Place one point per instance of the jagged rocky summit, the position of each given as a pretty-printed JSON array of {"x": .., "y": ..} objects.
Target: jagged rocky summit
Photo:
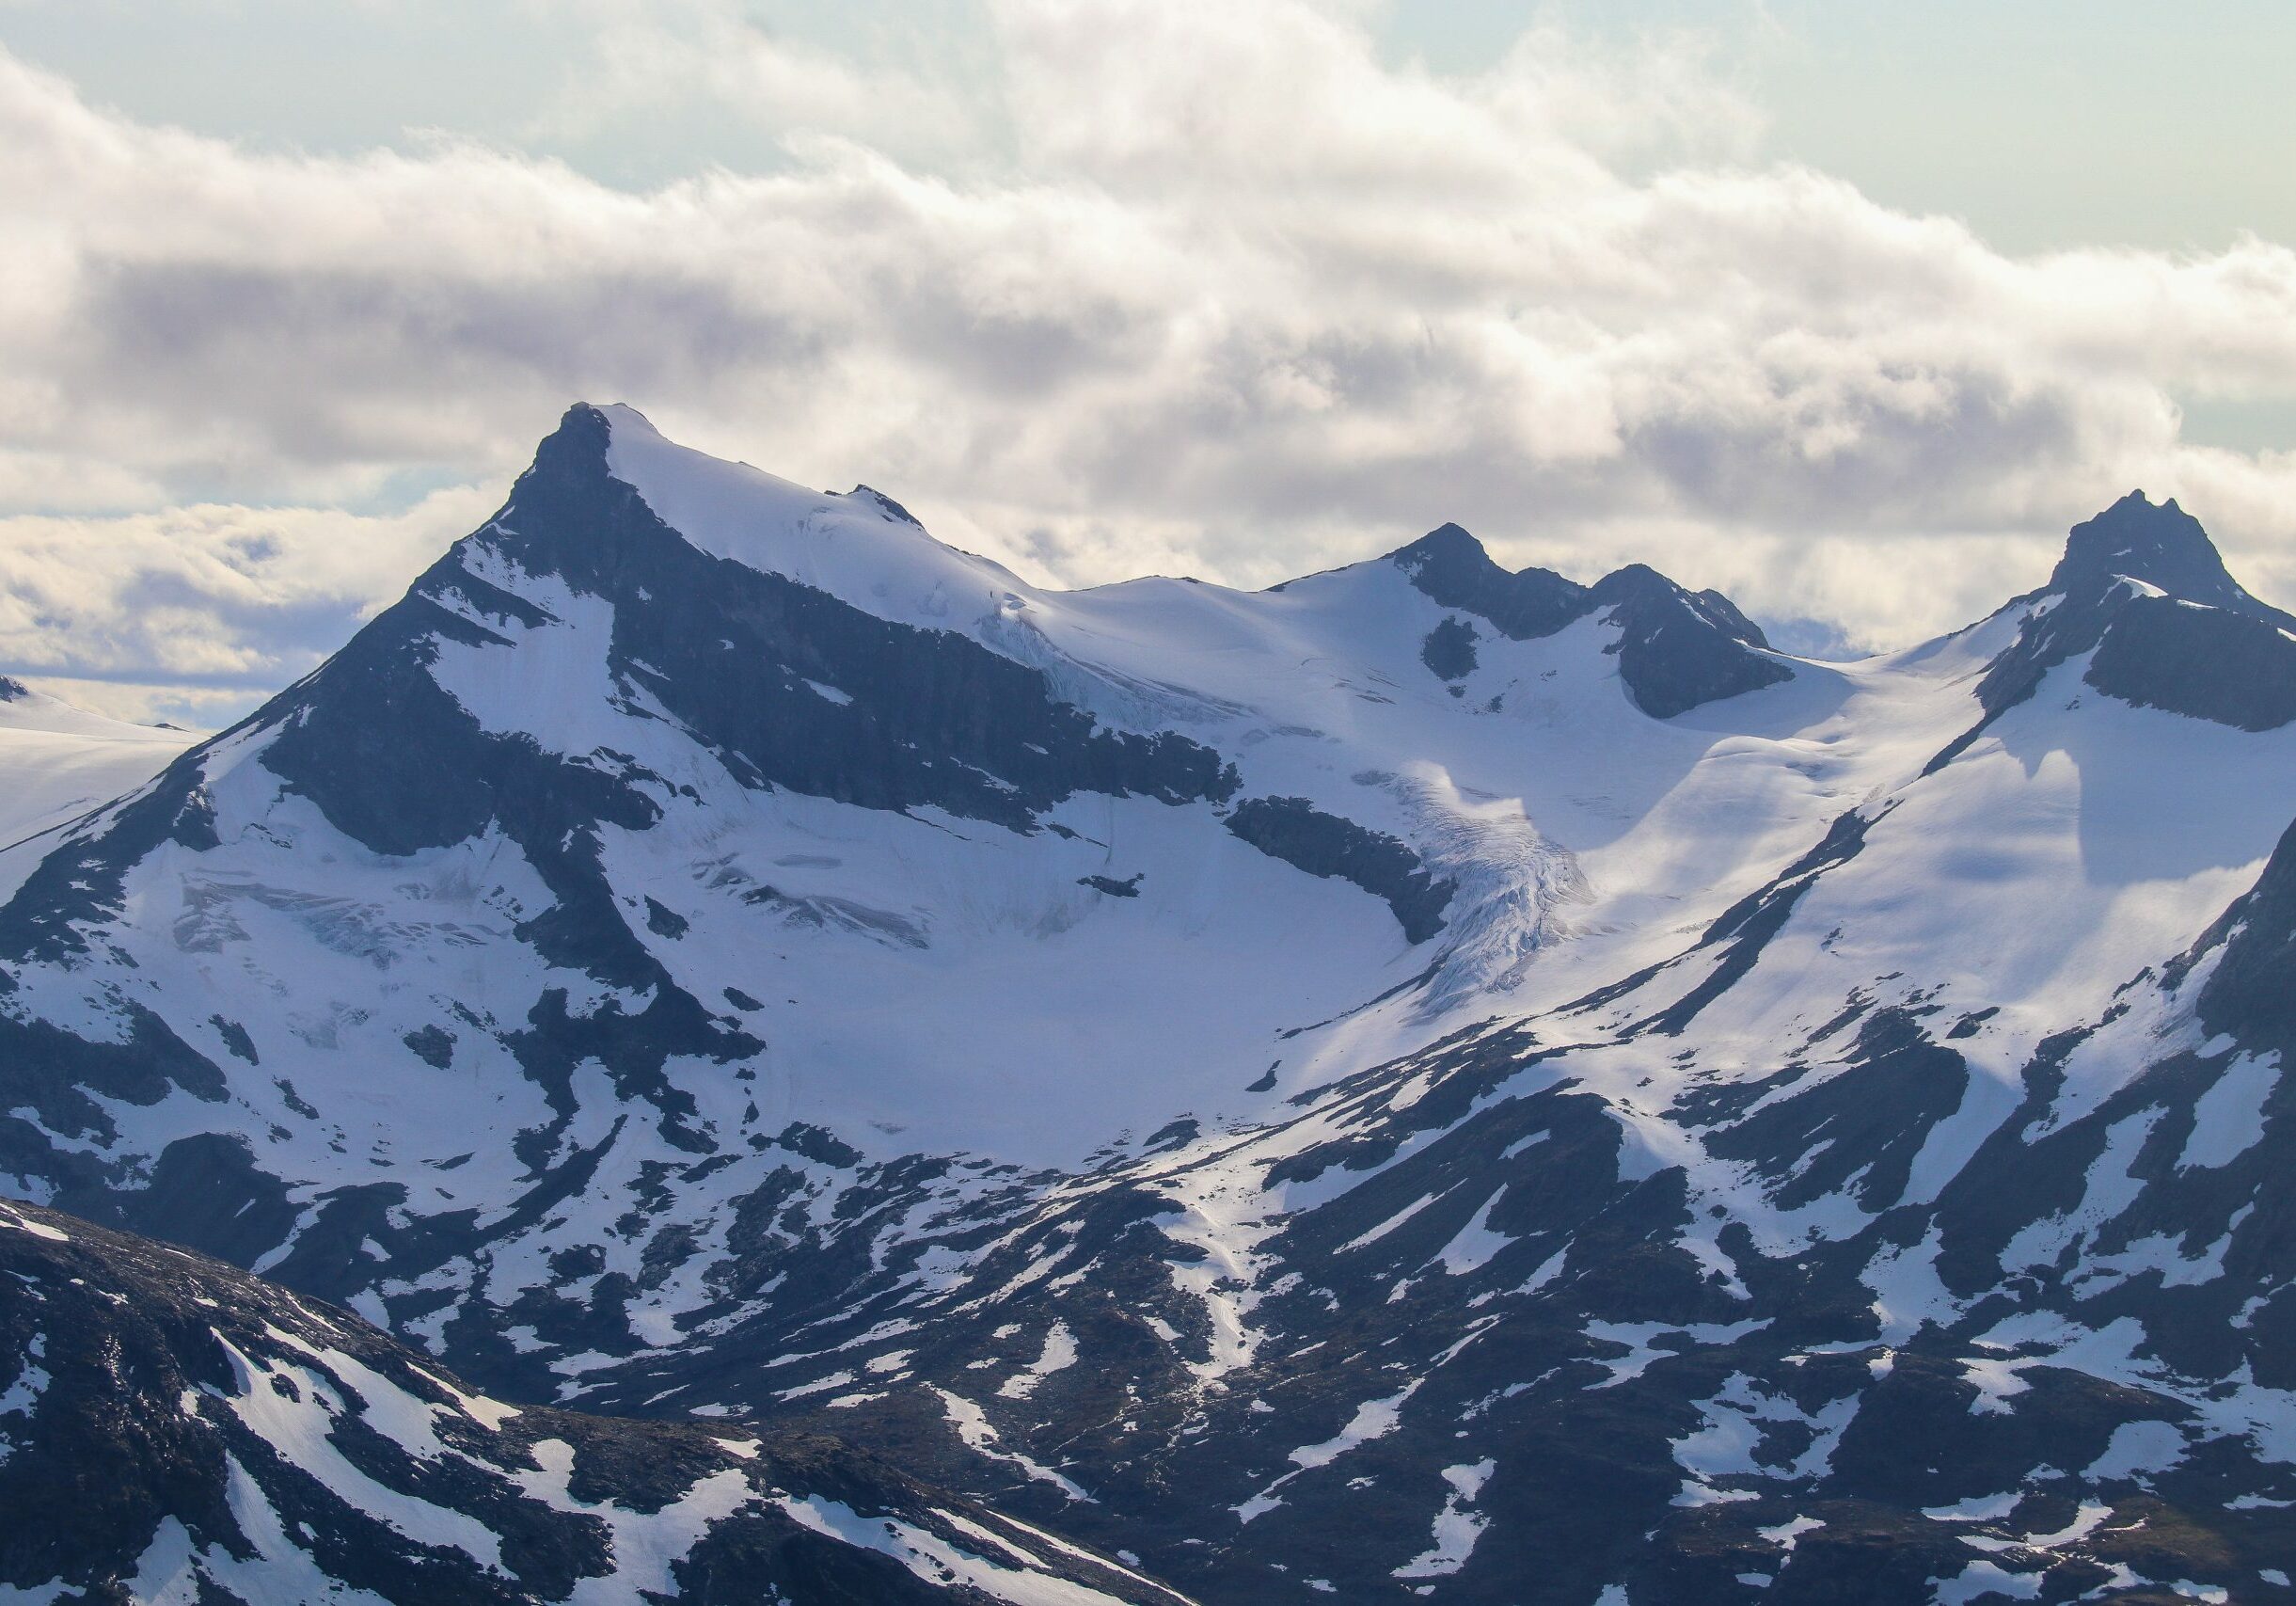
[{"x": 1421, "y": 1083}]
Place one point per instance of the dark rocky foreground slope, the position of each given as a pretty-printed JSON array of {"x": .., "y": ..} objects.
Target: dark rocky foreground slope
[{"x": 173, "y": 1429}]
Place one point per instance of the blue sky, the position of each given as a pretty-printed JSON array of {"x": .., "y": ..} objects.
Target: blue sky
[{"x": 1848, "y": 309}]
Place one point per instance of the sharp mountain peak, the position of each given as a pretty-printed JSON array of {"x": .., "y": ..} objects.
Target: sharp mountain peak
[{"x": 2161, "y": 545}]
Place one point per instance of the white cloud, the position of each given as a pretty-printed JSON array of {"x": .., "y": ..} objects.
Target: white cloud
[
  {"x": 194, "y": 612},
  {"x": 645, "y": 59},
  {"x": 1236, "y": 298}
]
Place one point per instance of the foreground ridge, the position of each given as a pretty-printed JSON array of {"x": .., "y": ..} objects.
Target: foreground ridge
[{"x": 176, "y": 1429}]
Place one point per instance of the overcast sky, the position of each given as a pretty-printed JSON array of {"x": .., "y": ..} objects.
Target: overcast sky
[{"x": 1846, "y": 310}]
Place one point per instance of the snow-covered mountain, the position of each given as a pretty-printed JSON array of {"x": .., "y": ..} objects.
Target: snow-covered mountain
[
  {"x": 58, "y": 761},
  {"x": 1421, "y": 1081}
]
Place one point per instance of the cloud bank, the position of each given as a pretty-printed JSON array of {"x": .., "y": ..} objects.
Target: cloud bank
[{"x": 1182, "y": 287}]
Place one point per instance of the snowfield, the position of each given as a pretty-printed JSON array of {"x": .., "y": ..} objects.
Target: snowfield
[{"x": 60, "y": 761}]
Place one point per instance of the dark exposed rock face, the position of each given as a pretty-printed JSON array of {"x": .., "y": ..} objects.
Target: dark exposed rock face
[
  {"x": 2251, "y": 994},
  {"x": 2212, "y": 663},
  {"x": 1292, "y": 830},
  {"x": 62, "y": 1079},
  {"x": 1453, "y": 568},
  {"x": 2162, "y": 546},
  {"x": 1450, "y": 649},
  {"x": 1677, "y": 649},
  {"x": 169, "y": 1418}
]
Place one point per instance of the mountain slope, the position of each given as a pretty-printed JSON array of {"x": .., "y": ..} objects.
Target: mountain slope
[
  {"x": 177, "y": 1430},
  {"x": 61, "y": 761},
  {"x": 1416, "y": 1080}
]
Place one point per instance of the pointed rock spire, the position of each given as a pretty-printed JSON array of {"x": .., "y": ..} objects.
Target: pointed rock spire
[{"x": 2161, "y": 545}]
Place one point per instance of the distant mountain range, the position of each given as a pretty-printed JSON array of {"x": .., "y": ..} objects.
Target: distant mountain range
[
  {"x": 1424, "y": 1082},
  {"x": 58, "y": 761}
]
